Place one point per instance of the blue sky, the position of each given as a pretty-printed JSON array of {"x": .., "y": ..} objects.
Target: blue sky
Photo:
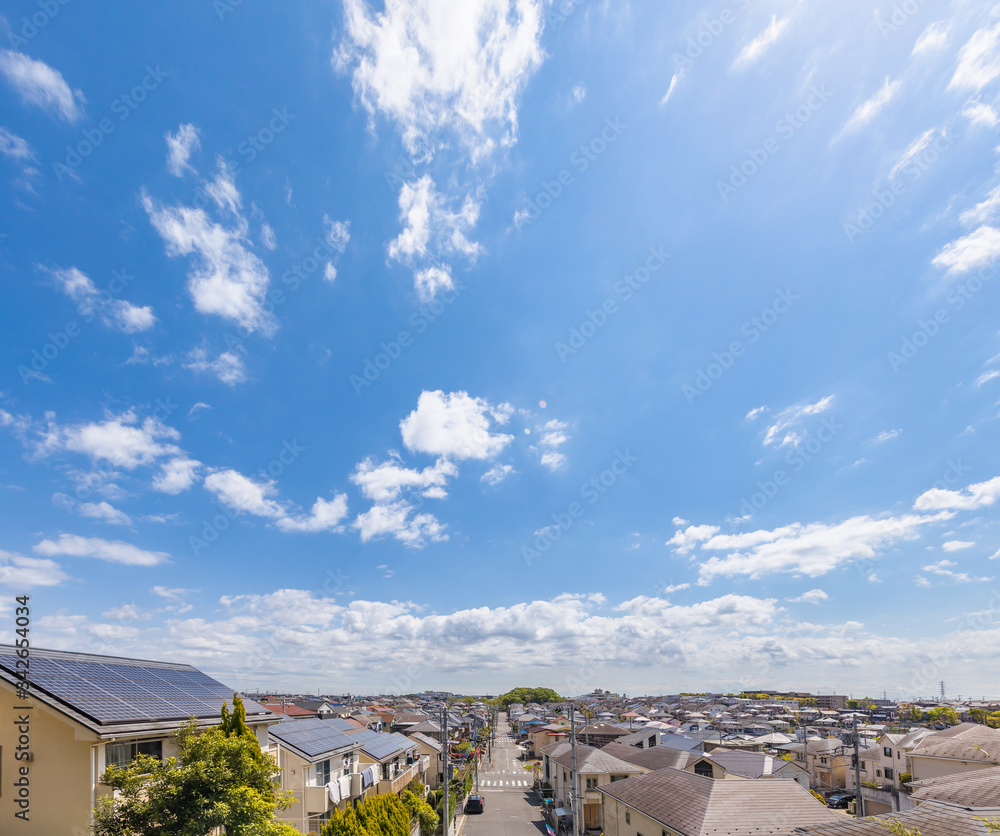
[{"x": 362, "y": 347}]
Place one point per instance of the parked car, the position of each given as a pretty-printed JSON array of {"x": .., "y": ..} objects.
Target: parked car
[
  {"x": 840, "y": 799},
  {"x": 474, "y": 804}
]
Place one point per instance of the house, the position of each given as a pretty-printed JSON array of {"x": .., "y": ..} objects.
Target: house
[
  {"x": 976, "y": 790},
  {"x": 82, "y": 712},
  {"x": 319, "y": 766},
  {"x": 660, "y": 757},
  {"x": 962, "y": 748},
  {"x": 593, "y": 768},
  {"x": 433, "y": 750},
  {"x": 395, "y": 760},
  {"x": 757, "y": 765},
  {"x": 426, "y": 727},
  {"x": 672, "y": 802},
  {"x": 826, "y": 763},
  {"x": 880, "y": 767},
  {"x": 600, "y": 734},
  {"x": 538, "y": 737},
  {"x": 929, "y": 819},
  {"x": 290, "y": 710}
]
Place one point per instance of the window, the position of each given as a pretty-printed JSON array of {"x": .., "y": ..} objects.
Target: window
[
  {"x": 878, "y": 773},
  {"x": 703, "y": 768},
  {"x": 591, "y": 783},
  {"x": 887, "y": 751},
  {"x": 823, "y": 760},
  {"x": 122, "y": 754},
  {"x": 888, "y": 774},
  {"x": 628, "y": 818},
  {"x": 864, "y": 766}
]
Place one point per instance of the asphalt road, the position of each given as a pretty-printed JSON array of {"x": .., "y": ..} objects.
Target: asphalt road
[{"x": 511, "y": 807}]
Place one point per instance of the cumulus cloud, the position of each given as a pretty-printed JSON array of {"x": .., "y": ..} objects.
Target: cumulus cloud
[
  {"x": 176, "y": 475},
  {"x": 384, "y": 481},
  {"x": 435, "y": 67},
  {"x": 226, "y": 278},
  {"x": 454, "y": 425},
  {"x": 228, "y": 367},
  {"x": 115, "y": 313},
  {"x": 39, "y": 84},
  {"x": 813, "y": 596},
  {"x": 398, "y": 520},
  {"x": 496, "y": 474},
  {"x": 553, "y": 436},
  {"x": 813, "y": 549},
  {"x": 979, "y": 495},
  {"x": 180, "y": 146},
  {"x": 112, "y": 551},
  {"x": 326, "y": 515},
  {"x": 101, "y": 511},
  {"x": 18, "y": 572}
]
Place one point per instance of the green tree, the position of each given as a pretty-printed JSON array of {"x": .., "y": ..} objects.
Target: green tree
[
  {"x": 943, "y": 714},
  {"x": 219, "y": 780},
  {"x": 382, "y": 815},
  {"x": 525, "y": 695},
  {"x": 422, "y": 811},
  {"x": 852, "y": 704}
]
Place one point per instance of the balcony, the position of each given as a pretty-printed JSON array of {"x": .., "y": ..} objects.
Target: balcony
[{"x": 402, "y": 778}]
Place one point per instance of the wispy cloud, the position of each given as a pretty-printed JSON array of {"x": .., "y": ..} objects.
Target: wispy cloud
[
  {"x": 758, "y": 47},
  {"x": 39, "y": 84}
]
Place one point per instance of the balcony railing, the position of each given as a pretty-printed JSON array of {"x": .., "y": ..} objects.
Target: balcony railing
[{"x": 396, "y": 784}]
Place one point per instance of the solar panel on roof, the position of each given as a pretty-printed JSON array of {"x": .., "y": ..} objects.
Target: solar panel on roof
[{"x": 110, "y": 692}]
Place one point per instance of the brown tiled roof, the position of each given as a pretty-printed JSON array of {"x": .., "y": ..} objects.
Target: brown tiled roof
[
  {"x": 658, "y": 757},
  {"x": 698, "y": 806},
  {"x": 290, "y": 710},
  {"x": 929, "y": 819},
  {"x": 979, "y": 788}
]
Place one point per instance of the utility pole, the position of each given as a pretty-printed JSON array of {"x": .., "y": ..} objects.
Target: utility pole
[
  {"x": 858, "y": 801},
  {"x": 574, "y": 798},
  {"x": 447, "y": 768}
]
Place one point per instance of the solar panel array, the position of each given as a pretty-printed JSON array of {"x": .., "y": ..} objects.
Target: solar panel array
[
  {"x": 118, "y": 692},
  {"x": 387, "y": 744},
  {"x": 313, "y": 736},
  {"x": 340, "y": 724}
]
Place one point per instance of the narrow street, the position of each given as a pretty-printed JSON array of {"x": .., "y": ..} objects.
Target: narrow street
[{"x": 511, "y": 806}]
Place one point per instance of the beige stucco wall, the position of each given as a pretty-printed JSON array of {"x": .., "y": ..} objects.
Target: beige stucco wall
[
  {"x": 639, "y": 824},
  {"x": 935, "y": 767}
]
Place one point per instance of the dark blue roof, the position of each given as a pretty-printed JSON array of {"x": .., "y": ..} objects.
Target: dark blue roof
[
  {"x": 110, "y": 690},
  {"x": 313, "y": 737}
]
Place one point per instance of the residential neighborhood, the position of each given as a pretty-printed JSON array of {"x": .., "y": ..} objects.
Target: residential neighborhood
[{"x": 686, "y": 764}]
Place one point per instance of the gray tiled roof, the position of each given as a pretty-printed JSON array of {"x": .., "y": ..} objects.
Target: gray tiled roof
[
  {"x": 659, "y": 757},
  {"x": 979, "y": 788},
  {"x": 698, "y": 806},
  {"x": 929, "y": 819},
  {"x": 592, "y": 761}
]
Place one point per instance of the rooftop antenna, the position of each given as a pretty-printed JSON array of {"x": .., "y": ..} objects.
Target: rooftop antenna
[{"x": 942, "y": 690}]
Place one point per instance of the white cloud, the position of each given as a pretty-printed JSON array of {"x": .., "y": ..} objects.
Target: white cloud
[
  {"x": 329, "y": 272},
  {"x": 430, "y": 281},
  {"x": 113, "y": 551},
  {"x": 18, "y": 572},
  {"x": 126, "y": 613},
  {"x": 553, "y": 437},
  {"x": 180, "y": 146},
  {"x": 913, "y": 151},
  {"x": 943, "y": 569},
  {"x": 579, "y": 93},
  {"x": 979, "y": 113},
  {"x": 755, "y": 413},
  {"x": 241, "y": 494},
  {"x": 267, "y": 236},
  {"x": 102, "y": 511},
  {"x": 983, "y": 211},
  {"x": 870, "y": 108},
  {"x": 675, "y": 79},
  {"x": 886, "y": 435},
  {"x": 227, "y": 367},
  {"x": 979, "y": 495},
  {"x": 677, "y": 587},
  {"x": 227, "y": 279},
  {"x": 784, "y": 429},
  {"x": 326, "y": 515},
  {"x": 115, "y": 313},
  {"x": 496, "y": 474},
  {"x": 176, "y": 475},
  {"x": 978, "y": 61},
  {"x": 14, "y": 147},
  {"x": 813, "y": 596},
  {"x": 39, "y": 84},
  {"x": 685, "y": 541},
  {"x": 383, "y": 482},
  {"x": 433, "y": 66},
  {"x": 933, "y": 37},
  {"x": 758, "y": 47},
  {"x": 813, "y": 550},
  {"x": 957, "y": 545},
  {"x": 454, "y": 425},
  {"x": 336, "y": 233},
  {"x": 987, "y": 376},
  {"x": 973, "y": 250},
  {"x": 393, "y": 519}
]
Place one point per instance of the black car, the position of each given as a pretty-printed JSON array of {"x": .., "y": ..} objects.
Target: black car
[
  {"x": 474, "y": 804},
  {"x": 839, "y": 799}
]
